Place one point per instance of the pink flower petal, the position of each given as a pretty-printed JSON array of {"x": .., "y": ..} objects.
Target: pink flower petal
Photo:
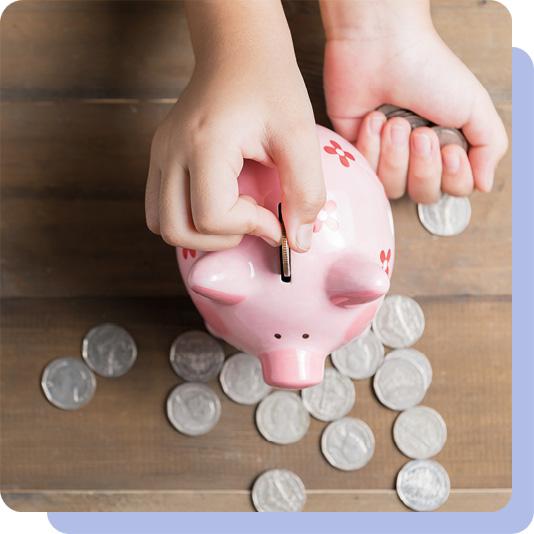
[
  {"x": 329, "y": 149},
  {"x": 334, "y": 144},
  {"x": 344, "y": 161},
  {"x": 349, "y": 155}
]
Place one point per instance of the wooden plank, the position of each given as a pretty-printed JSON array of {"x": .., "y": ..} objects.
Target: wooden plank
[
  {"x": 122, "y": 440},
  {"x": 141, "y": 48},
  {"x": 72, "y": 217},
  {"x": 239, "y": 501}
]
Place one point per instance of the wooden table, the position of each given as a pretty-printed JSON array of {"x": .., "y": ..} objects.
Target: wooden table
[{"x": 84, "y": 85}]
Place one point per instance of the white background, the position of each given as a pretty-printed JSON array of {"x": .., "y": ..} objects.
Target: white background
[{"x": 522, "y": 37}]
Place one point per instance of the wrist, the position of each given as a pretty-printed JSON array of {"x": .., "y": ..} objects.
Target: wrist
[{"x": 374, "y": 21}]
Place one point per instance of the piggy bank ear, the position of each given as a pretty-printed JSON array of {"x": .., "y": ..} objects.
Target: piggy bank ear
[
  {"x": 221, "y": 277},
  {"x": 352, "y": 280}
]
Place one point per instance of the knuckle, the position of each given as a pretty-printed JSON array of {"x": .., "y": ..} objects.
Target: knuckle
[
  {"x": 173, "y": 236},
  {"x": 152, "y": 224},
  {"x": 206, "y": 223},
  {"x": 311, "y": 202}
]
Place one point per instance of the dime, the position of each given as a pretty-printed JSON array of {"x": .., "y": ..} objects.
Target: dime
[
  {"x": 423, "y": 485},
  {"x": 450, "y": 136},
  {"x": 278, "y": 490},
  {"x": 418, "y": 358},
  {"x": 196, "y": 356},
  {"x": 447, "y": 217},
  {"x": 242, "y": 379},
  {"x": 109, "y": 350},
  {"x": 399, "y": 383},
  {"x": 420, "y": 432},
  {"x": 359, "y": 358},
  {"x": 348, "y": 443},
  {"x": 282, "y": 418},
  {"x": 399, "y": 322},
  {"x": 193, "y": 408},
  {"x": 68, "y": 383},
  {"x": 333, "y": 398}
]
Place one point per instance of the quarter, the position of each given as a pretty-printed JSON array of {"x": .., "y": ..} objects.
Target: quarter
[{"x": 278, "y": 490}]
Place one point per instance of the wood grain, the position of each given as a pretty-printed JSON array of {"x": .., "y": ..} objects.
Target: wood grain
[
  {"x": 72, "y": 220},
  {"x": 84, "y": 85},
  {"x": 122, "y": 440},
  {"x": 239, "y": 501}
]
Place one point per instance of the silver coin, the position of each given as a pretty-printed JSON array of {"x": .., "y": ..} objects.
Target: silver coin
[
  {"x": 196, "y": 356},
  {"x": 399, "y": 322},
  {"x": 419, "y": 359},
  {"x": 193, "y": 408},
  {"x": 68, "y": 383},
  {"x": 360, "y": 358},
  {"x": 399, "y": 383},
  {"x": 242, "y": 379},
  {"x": 348, "y": 443},
  {"x": 109, "y": 350},
  {"x": 278, "y": 490},
  {"x": 417, "y": 122},
  {"x": 450, "y": 136},
  {"x": 423, "y": 485},
  {"x": 447, "y": 217},
  {"x": 282, "y": 418},
  {"x": 420, "y": 432},
  {"x": 331, "y": 399}
]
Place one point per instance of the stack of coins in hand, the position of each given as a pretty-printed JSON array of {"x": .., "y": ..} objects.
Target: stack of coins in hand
[
  {"x": 449, "y": 216},
  {"x": 107, "y": 349}
]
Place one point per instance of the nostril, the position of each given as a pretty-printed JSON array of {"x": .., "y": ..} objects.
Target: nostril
[
  {"x": 277, "y": 336},
  {"x": 305, "y": 336}
]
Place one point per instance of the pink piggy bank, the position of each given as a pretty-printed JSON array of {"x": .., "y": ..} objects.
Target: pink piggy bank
[{"x": 335, "y": 288}]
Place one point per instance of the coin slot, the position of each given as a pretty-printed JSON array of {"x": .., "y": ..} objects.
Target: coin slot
[
  {"x": 285, "y": 251},
  {"x": 277, "y": 336},
  {"x": 305, "y": 336}
]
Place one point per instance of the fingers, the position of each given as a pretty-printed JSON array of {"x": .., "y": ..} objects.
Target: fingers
[
  {"x": 216, "y": 206},
  {"x": 457, "y": 178},
  {"x": 348, "y": 128},
  {"x": 424, "y": 173},
  {"x": 368, "y": 140},
  {"x": 298, "y": 160},
  {"x": 175, "y": 221},
  {"x": 394, "y": 156},
  {"x": 152, "y": 197},
  {"x": 487, "y": 137}
]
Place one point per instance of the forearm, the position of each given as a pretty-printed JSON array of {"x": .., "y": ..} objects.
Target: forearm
[
  {"x": 372, "y": 19},
  {"x": 228, "y": 30}
]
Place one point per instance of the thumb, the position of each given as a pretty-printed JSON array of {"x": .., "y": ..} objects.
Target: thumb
[{"x": 297, "y": 158}]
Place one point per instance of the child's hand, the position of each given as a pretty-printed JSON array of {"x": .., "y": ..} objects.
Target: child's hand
[
  {"x": 388, "y": 52},
  {"x": 246, "y": 100}
]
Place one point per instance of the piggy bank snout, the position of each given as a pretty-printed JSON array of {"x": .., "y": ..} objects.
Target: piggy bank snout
[{"x": 292, "y": 368}]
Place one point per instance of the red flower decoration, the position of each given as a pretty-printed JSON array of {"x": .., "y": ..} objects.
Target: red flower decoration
[
  {"x": 385, "y": 259},
  {"x": 188, "y": 252},
  {"x": 343, "y": 155}
]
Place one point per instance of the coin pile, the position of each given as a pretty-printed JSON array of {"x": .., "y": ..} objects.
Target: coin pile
[
  {"x": 450, "y": 215},
  {"x": 107, "y": 349}
]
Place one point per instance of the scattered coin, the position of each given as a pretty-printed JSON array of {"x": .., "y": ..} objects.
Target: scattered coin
[
  {"x": 278, "y": 490},
  {"x": 196, "y": 356},
  {"x": 399, "y": 383},
  {"x": 242, "y": 379},
  {"x": 399, "y": 322},
  {"x": 450, "y": 136},
  {"x": 109, "y": 350},
  {"x": 423, "y": 485},
  {"x": 418, "y": 358},
  {"x": 447, "y": 217},
  {"x": 420, "y": 432},
  {"x": 193, "y": 408},
  {"x": 333, "y": 398},
  {"x": 282, "y": 418},
  {"x": 68, "y": 383},
  {"x": 348, "y": 443},
  {"x": 360, "y": 358}
]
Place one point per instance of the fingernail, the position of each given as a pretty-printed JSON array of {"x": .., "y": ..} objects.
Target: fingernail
[
  {"x": 421, "y": 143},
  {"x": 269, "y": 241},
  {"x": 452, "y": 162},
  {"x": 375, "y": 125},
  {"x": 399, "y": 135},
  {"x": 304, "y": 236}
]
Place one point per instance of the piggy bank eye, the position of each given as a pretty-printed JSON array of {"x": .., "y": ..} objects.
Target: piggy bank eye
[
  {"x": 305, "y": 336},
  {"x": 277, "y": 336}
]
